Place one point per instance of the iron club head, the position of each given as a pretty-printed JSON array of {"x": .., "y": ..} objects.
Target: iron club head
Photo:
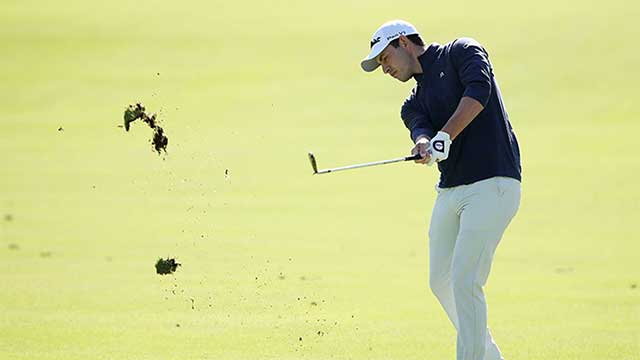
[{"x": 314, "y": 165}]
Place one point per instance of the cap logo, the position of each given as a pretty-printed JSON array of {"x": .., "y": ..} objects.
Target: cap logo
[
  {"x": 396, "y": 35},
  {"x": 375, "y": 41}
]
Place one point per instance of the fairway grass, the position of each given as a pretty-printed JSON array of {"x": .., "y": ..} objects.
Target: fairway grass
[{"x": 278, "y": 263}]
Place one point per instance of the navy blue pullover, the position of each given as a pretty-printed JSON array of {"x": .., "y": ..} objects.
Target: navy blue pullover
[{"x": 487, "y": 147}]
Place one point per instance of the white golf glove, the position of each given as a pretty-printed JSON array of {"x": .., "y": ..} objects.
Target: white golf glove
[{"x": 439, "y": 147}]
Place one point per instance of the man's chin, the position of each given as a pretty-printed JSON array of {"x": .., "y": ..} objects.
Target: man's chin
[{"x": 402, "y": 78}]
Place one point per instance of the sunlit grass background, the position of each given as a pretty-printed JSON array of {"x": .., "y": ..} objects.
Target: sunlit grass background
[{"x": 277, "y": 263}]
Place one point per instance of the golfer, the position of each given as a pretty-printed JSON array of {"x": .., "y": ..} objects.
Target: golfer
[{"x": 457, "y": 119}]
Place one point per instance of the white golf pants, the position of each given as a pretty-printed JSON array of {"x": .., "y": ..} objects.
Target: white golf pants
[{"x": 466, "y": 226}]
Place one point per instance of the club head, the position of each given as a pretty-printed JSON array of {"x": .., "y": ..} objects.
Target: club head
[{"x": 314, "y": 165}]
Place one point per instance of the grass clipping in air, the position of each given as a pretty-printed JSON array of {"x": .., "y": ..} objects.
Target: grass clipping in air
[
  {"x": 138, "y": 111},
  {"x": 166, "y": 266}
]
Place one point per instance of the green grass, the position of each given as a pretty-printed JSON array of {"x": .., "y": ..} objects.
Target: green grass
[{"x": 251, "y": 87}]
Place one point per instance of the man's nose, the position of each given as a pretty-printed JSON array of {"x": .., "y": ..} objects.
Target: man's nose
[{"x": 385, "y": 69}]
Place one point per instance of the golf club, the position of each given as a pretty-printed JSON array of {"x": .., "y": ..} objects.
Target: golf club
[{"x": 314, "y": 164}]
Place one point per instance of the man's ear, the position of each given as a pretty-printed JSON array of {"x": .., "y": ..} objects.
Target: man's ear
[{"x": 404, "y": 41}]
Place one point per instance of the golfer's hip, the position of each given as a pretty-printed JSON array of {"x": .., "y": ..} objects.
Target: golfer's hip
[{"x": 486, "y": 203}]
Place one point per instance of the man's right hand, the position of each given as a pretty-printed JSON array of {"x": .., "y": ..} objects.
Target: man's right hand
[{"x": 422, "y": 144}]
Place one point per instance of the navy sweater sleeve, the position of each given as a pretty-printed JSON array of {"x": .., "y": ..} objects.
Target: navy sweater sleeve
[
  {"x": 415, "y": 118},
  {"x": 474, "y": 70}
]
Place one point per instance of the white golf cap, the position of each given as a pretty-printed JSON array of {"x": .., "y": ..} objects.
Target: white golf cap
[{"x": 386, "y": 33}]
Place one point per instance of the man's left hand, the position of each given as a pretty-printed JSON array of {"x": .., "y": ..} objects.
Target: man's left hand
[{"x": 439, "y": 147}]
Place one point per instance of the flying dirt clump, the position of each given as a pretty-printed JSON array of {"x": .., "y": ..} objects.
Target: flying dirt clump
[
  {"x": 166, "y": 266},
  {"x": 138, "y": 111}
]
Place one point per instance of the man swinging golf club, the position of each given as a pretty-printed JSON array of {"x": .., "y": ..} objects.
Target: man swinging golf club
[{"x": 457, "y": 119}]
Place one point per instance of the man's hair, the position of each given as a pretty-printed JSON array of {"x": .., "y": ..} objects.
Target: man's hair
[{"x": 415, "y": 38}]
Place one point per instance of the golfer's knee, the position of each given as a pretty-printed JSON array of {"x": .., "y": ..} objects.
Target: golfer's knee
[
  {"x": 439, "y": 284},
  {"x": 462, "y": 284}
]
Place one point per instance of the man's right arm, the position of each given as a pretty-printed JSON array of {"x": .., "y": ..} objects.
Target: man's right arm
[{"x": 417, "y": 121}]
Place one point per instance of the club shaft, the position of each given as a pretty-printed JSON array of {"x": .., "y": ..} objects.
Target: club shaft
[{"x": 374, "y": 163}]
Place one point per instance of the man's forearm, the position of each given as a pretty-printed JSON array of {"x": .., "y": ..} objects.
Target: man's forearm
[{"x": 467, "y": 110}]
